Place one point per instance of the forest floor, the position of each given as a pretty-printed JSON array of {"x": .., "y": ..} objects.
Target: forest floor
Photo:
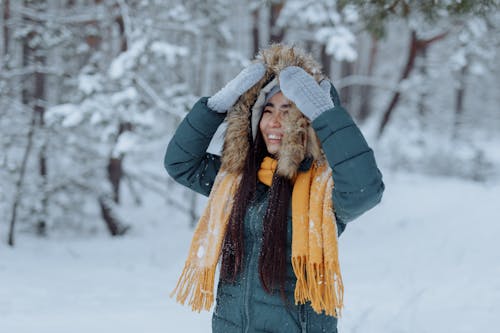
[{"x": 425, "y": 260}]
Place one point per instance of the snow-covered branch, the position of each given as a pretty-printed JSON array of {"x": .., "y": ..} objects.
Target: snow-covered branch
[
  {"x": 29, "y": 70},
  {"x": 82, "y": 14},
  {"x": 362, "y": 80}
]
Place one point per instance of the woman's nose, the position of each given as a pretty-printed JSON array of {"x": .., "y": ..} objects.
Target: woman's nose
[{"x": 276, "y": 120}]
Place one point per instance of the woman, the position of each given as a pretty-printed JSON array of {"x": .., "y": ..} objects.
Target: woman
[{"x": 294, "y": 170}]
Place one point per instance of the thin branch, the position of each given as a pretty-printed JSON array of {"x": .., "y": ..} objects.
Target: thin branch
[
  {"x": 150, "y": 184},
  {"x": 363, "y": 80},
  {"x": 429, "y": 41},
  {"x": 70, "y": 184},
  {"x": 157, "y": 100},
  {"x": 178, "y": 206},
  {"x": 29, "y": 70}
]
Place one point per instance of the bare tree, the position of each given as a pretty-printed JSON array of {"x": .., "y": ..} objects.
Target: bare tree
[{"x": 416, "y": 48}]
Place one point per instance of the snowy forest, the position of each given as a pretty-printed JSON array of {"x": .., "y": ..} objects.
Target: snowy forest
[{"x": 91, "y": 91}]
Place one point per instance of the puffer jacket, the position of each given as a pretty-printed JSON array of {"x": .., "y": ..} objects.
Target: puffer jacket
[{"x": 244, "y": 306}]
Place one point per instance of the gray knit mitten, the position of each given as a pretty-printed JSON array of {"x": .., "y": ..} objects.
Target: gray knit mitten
[
  {"x": 301, "y": 88},
  {"x": 227, "y": 96},
  {"x": 326, "y": 85}
]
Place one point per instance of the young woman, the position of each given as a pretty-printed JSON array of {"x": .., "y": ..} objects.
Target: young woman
[{"x": 294, "y": 170}]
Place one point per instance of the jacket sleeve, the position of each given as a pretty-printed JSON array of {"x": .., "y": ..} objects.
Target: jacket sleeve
[
  {"x": 358, "y": 184},
  {"x": 186, "y": 159}
]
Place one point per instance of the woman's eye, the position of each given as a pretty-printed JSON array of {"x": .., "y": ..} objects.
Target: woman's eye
[{"x": 267, "y": 111}]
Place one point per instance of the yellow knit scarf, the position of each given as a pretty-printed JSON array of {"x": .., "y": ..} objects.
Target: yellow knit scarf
[{"x": 314, "y": 240}]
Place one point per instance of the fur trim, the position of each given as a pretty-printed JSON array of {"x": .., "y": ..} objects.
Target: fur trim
[{"x": 299, "y": 138}]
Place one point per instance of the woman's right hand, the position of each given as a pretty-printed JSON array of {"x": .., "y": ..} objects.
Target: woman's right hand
[{"x": 225, "y": 98}]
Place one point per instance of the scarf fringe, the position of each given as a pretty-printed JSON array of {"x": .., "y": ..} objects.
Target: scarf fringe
[
  {"x": 301, "y": 290},
  {"x": 197, "y": 284},
  {"x": 324, "y": 289}
]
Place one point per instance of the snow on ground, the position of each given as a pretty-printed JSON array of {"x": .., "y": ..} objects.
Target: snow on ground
[{"x": 425, "y": 260}]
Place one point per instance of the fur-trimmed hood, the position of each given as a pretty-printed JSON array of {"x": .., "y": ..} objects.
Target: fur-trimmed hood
[{"x": 299, "y": 140}]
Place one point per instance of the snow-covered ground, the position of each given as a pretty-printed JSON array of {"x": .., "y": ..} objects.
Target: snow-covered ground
[{"x": 427, "y": 259}]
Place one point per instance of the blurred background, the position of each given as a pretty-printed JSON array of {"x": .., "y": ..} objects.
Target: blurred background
[{"x": 92, "y": 90}]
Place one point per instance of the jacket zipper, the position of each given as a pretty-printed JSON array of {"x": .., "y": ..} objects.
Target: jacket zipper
[
  {"x": 248, "y": 277},
  {"x": 303, "y": 320}
]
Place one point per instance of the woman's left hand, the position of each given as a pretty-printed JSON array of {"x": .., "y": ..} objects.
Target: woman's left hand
[{"x": 301, "y": 88}]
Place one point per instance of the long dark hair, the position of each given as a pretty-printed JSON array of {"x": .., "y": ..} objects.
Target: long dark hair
[{"x": 272, "y": 258}]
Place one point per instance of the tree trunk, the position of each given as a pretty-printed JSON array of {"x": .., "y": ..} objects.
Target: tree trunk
[
  {"x": 34, "y": 96},
  {"x": 263, "y": 26},
  {"x": 326, "y": 61},
  {"x": 192, "y": 210},
  {"x": 416, "y": 46},
  {"x": 207, "y": 69},
  {"x": 123, "y": 37},
  {"x": 108, "y": 207},
  {"x": 276, "y": 33},
  {"x": 421, "y": 61},
  {"x": 366, "y": 91},
  {"x": 459, "y": 102},
  {"x": 406, "y": 71},
  {"x": 14, "y": 47},
  {"x": 4, "y": 16},
  {"x": 39, "y": 109},
  {"x": 115, "y": 173},
  {"x": 114, "y": 167},
  {"x": 20, "y": 182},
  {"x": 255, "y": 31},
  {"x": 347, "y": 69},
  {"x": 115, "y": 177}
]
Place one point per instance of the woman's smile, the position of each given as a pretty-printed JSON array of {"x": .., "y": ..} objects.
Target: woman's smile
[{"x": 274, "y": 137}]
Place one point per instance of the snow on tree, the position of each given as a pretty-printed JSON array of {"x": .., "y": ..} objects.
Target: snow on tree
[{"x": 91, "y": 91}]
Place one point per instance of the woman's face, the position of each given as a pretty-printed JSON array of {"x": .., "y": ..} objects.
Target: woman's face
[{"x": 270, "y": 124}]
